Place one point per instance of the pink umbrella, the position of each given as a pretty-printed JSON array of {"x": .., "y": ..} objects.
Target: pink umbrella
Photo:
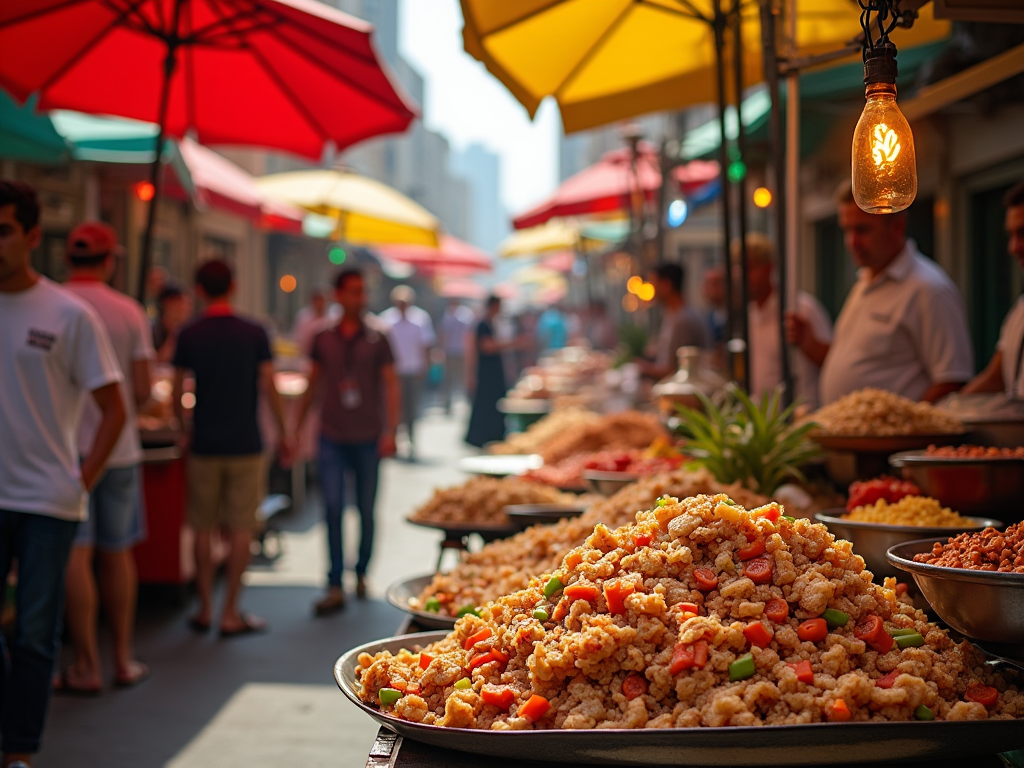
[
  {"x": 606, "y": 186},
  {"x": 451, "y": 253},
  {"x": 462, "y": 289},
  {"x": 559, "y": 261}
]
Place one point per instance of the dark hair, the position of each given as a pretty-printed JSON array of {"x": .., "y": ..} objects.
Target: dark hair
[
  {"x": 170, "y": 291},
  {"x": 87, "y": 262},
  {"x": 344, "y": 276},
  {"x": 1014, "y": 196},
  {"x": 674, "y": 274},
  {"x": 25, "y": 201},
  {"x": 493, "y": 301},
  {"x": 214, "y": 277}
]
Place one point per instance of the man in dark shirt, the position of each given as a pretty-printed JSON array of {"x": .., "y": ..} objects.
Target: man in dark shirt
[
  {"x": 353, "y": 367},
  {"x": 231, "y": 360}
]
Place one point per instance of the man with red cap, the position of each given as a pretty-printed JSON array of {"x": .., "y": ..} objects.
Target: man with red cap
[
  {"x": 54, "y": 356},
  {"x": 115, "y": 523}
]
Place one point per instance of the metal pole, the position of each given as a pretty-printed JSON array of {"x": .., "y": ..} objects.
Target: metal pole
[
  {"x": 771, "y": 72},
  {"x": 723, "y": 159},
  {"x": 741, "y": 205},
  {"x": 155, "y": 175}
]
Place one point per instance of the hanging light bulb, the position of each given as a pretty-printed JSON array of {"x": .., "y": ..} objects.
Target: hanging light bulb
[{"x": 884, "y": 163}]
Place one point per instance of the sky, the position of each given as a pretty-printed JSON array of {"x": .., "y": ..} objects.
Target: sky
[{"x": 467, "y": 104}]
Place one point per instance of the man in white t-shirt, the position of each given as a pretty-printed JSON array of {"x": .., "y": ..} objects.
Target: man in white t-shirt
[
  {"x": 903, "y": 328},
  {"x": 411, "y": 335},
  {"x": 54, "y": 353},
  {"x": 1005, "y": 371},
  {"x": 116, "y": 518},
  {"x": 766, "y": 347},
  {"x": 455, "y": 325}
]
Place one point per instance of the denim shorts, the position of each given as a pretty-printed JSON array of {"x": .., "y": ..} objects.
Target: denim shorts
[{"x": 116, "y": 520}]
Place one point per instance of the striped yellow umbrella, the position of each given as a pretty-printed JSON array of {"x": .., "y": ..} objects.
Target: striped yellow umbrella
[
  {"x": 365, "y": 211},
  {"x": 555, "y": 235},
  {"x": 607, "y": 60}
]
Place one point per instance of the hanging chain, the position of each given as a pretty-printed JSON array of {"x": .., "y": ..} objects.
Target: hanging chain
[{"x": 887, "y": 17}]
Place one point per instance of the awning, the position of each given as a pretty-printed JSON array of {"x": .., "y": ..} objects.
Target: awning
[{"x": 28, "y": 136}]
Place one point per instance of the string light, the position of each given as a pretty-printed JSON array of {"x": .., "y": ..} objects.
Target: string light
[
  {"x": 336, "y": 256},
  {"x": 646, "y": 292},
  {"x": 288, "y": 283},
  {"x": 630, "y": 303},
  {"x": 145, "y": 191},
  {"x": 762, "y": 197},
  {"x": 884, "y": 164},
  {"x": 634, "y": 283}
]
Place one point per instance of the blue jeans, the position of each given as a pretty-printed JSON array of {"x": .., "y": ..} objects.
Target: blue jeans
[
  {"x": 335, "y": 459},
  {"x": 41, "y": 546}
]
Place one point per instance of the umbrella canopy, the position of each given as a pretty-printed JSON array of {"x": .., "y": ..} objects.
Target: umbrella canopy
[
  {"x": 606, "y": 186},
  {"x": 366, "y": 211},
  {"x": 615, "y": 59},
  {"x": 452, "y": 256},
  {"x": 287, "y": 74},
  {"x": 555, "y": 235},
  {"x": 559, "y": 261},
  {"x": 461, "y": 289}
]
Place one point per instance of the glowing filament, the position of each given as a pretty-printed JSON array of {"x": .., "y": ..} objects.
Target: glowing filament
[{"x": 886, "y": 146}]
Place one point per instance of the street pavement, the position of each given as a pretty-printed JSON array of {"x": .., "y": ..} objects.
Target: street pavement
[{"x": 270, "y": 699}]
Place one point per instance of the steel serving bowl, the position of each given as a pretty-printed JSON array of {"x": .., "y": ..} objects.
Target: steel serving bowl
[
  {"x": 872, "y": 540},
  {"x": 983, "y": 605},
  {"x": 401, "y": 592},
  {"x": 525, "y": 515},
  {"x": 607, "y": 483},
  {"x": 971, "y": 485}
]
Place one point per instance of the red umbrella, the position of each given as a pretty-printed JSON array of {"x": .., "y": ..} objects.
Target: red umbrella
[
  {"x": 286, "y": 74},
  {"x": 452, "y": 253},
  {"x": 607, "y": 185}
]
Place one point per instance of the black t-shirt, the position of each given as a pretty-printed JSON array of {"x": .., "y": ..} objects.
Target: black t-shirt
[{"x": 225, "y": 353}]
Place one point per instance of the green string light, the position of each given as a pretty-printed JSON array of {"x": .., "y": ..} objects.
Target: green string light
[{"x": 336, "y": 255}]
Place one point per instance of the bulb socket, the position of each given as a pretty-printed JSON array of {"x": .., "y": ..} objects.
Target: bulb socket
[{"x": 880, "y": 64}]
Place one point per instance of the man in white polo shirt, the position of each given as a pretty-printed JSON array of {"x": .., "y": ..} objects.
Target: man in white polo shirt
[
  {"x": 1005, "y": 371},
  {"x": 54, "y": 353},
  {"x": 903, "y": 328}
]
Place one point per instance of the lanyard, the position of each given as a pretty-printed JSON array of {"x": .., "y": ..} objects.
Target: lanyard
[{"x": 348, "y": 351}]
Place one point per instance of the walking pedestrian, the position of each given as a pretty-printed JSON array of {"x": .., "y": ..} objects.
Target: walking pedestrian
[
  {"x": 230, "y": 357},
  {"x": 353, "y": 372},
  {"x": 455, "y": 324},
  {"x": 116, "y": 520},
  {"x": 54, "y": 354},
  {"x": 411, "y": 334},
  {"x": 173, "y": 308},
  {"x": 487, "y": 387}
]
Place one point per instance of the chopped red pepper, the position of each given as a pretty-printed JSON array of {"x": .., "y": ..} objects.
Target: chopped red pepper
[
  {"x": 615, "y": 594},
  {"x": 561, "y": 610},
  {"x": 902, "y": 588},
  {"x": 642, "y": 540},
  {"x": 687, "y": 655},
  {"x": 485, "y": 658},
  {"x": 772, "y": 513},
  {"x": 983, "y": 694},
  {"x": 887, "y": 681},
  {"x": 813, "y": 630},
  {"x": 804, "y": 671},
  {"x": 871, "y": 630},
  {"x": 586, "y": 592},
  {"x": 535, "y": 708},
  {"x": 756, "y": 633},
  {"x": 413, "y": 689},
  {"x": 839, "y": 712},
  {"x": 758, "y": 570},
  {"x": 499, "y": 697},
  {"x": 752, "y": 550},
  {"x": 634, "y": 685},
  {"x": 425, "y": 659},
  {"x": 700, "y": 654},
  {"x": 707, "y": 579},
  {"x": 477, "y": 637},
  {"x": 777, "y": 610}
]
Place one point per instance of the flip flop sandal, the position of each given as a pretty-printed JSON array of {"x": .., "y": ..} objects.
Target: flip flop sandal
[
  {"x": 63, "y": 687},
  {"x": 250, "y": 625},
  {"x": 197, "y": 626},
  {"x": 131, "y": 682}
]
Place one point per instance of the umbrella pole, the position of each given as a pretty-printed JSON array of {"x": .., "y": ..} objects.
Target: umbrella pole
[
  {"x": 155, "y": 175},
  {"x": 723, "y": 179},
  {"x": 741, "y": 199},
  {"x": 771, "y": 73}
]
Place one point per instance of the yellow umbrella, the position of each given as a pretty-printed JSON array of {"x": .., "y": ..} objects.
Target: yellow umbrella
[
  {"x": 367, "y": 212},
  {"x": 555, "y": 235},
  {"x": 606, "y": 60},
  {"x": 537, "y": 274}
]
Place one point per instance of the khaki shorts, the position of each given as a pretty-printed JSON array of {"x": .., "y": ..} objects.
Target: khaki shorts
[{"x": 224, "y": 491}]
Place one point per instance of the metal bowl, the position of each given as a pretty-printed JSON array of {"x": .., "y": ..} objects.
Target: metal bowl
[
  {"x": 983, "y": 605},
  {"x": 500, "y": 465},
  {"x": 401, "y": 592},
  {"x": 872, "y": 540},
  {"x": 969, "y": 485},
  {"x": 525, "y": 515},
  {"x": 607, "y": 483}
]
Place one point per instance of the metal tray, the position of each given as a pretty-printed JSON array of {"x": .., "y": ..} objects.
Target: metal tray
[
  {"x": 872, "y": 540},
  {"x": 525, "y": 515},
  {"x": 969, "y": 485},
  {"x": 882, "y": 443},
  {"x": 500, "y": 465},
  {"x": 815, "y": 744},
  {"x": 454, "y": 531},
  {"x": 399, "y": 594}
]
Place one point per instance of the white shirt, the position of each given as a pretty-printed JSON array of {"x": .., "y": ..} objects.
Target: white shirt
[
  {"x": 902, "y": 331},
  {"x": 454, "y": 326},
  {"x": 307, "y": 325},
  {"x": 1009, "y": 344},
  {"x": 411, "y": 336},
  {"x": 125, "y": 321},
  {"x": 53, "y": 352},
  {"x": 766, "y": 348}
]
